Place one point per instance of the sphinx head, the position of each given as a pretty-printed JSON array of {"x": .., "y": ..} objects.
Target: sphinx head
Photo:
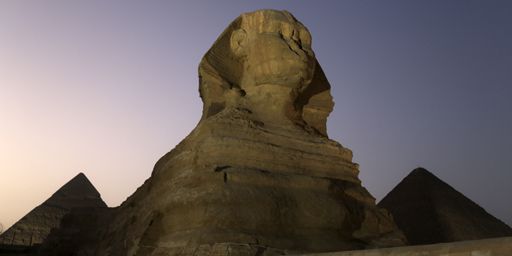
[
  {"x": 264, "y": 59},
  {"x": 275, "y": 49}
]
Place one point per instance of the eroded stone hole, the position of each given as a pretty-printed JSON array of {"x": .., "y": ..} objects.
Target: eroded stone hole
[{"x": 221, "y": 168}]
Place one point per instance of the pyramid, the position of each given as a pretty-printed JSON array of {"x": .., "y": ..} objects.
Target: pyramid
[
  {"x": 429, "y": 211},
  {"x": 34, "y": 227}
]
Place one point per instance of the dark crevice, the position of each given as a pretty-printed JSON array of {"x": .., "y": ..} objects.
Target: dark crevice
[
  {"x": 260, "y": 251},
  {"x": 221, "y": 168}
]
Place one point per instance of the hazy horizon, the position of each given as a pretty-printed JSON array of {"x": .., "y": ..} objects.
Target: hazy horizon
[{"x": 106, "y": 88}]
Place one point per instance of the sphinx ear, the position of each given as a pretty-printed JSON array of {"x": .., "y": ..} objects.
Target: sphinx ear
[{"x": 238, "y": 42}]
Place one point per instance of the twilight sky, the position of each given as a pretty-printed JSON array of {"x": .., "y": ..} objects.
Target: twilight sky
[{"x": 107, "y": 87}]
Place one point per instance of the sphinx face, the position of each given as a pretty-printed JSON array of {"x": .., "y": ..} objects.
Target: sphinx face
[{"x": 279, "y": 58}]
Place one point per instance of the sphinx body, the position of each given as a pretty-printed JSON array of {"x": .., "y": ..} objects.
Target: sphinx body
[{"x": 259, "y": 170}]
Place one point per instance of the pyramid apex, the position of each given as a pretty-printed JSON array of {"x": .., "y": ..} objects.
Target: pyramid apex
[
  {"x": 78, "y": 180},
  {"x": 420, "y": 169},
  {"x": 422, "y": 173},
  {"x": 76, "y": 190},
  {"x": 80, "y": 175}
]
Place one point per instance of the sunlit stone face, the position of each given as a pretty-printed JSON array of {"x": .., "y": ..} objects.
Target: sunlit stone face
[
  {"x": 276, "y": 52},
  {"x": 263, "y": 62},
  {"x": 274, "y": 58}
]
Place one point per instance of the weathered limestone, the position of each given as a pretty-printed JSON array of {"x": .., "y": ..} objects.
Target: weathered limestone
[
  {"x": 430, "y": 211},
  {"x": 484, "y": 247},
  {"x": 34, "y": 227},
  {"x": 259, "y": 169}
]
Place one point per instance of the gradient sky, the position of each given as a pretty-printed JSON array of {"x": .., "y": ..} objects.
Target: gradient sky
[{"x": 107, "y": 87}]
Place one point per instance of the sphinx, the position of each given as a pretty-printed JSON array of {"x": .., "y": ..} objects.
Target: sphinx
[{"x": 259, "y": 174}]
